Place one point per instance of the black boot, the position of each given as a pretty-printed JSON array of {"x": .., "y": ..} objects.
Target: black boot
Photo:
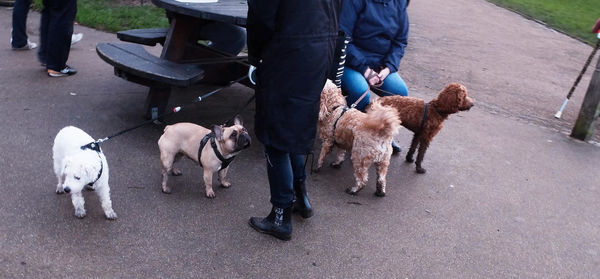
[
  {"x": 302, "y": 204},
  {"x": 277, "y": 224}
]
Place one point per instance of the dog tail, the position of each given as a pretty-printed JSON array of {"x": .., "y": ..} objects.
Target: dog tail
[{"x": 382, "y": 120}]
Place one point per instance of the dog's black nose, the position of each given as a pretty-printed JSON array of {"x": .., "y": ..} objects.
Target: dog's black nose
[{"x": 67, "y": 189}]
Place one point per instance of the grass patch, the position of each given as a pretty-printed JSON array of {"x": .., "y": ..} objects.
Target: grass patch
[
  {"x": 111, "y": 15},
  {"x": 574, "y": 17}
]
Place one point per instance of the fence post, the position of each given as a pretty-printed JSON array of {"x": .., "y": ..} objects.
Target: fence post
[{"x": 590, "y": 109}]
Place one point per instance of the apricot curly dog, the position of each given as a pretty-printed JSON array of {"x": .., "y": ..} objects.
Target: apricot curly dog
[
  {"x": 368, "y": 136},
  {"x": 425, "y": 119}
]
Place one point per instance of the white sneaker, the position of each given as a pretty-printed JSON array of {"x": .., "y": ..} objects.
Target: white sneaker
[
  {"x": 28, "y": 46},
  {"x": 75, "y": 38}
]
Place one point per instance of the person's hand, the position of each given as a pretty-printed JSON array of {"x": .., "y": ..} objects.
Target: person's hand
[
  {"x": 252, "y": 74},
  {"x": 383, "y": 74},
  {"x": 372, "y": 77}
]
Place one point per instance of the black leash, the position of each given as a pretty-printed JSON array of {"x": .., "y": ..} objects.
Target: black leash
[{"x": 175, "y": 110}]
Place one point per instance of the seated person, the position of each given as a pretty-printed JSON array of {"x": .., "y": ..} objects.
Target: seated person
[{"x": 378, "y": 31}]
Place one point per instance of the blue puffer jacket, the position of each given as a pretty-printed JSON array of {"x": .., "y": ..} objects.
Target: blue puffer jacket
[{"x": 378, "y": 30}]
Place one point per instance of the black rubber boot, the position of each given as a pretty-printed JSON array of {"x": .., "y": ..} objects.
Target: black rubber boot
[
  {"x": 277, "y": 224},
  {"x": 302, "y": 204}
]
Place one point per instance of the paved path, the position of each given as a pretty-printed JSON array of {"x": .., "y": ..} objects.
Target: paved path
[{"x": 507, "y": 194}]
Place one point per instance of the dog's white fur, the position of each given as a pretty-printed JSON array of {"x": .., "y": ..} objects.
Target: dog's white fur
[{"x": 76, "y": 168}]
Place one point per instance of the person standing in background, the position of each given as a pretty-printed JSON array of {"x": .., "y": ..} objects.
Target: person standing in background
[{"x": 291, "y": 45}]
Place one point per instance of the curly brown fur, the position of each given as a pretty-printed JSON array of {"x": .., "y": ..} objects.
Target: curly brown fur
[
  {"x": 452, "y": 99},
  {"x": 367, "y": 135}
]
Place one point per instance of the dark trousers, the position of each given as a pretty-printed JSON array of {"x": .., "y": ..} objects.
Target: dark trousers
[
  {"x": 282, "y": 169},
  {"x": 19, "y": 23},
  {"x": 56, "y": 31}
]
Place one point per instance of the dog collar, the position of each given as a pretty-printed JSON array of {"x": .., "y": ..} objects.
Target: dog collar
[
  {"x": 211, "y": 136},
  {"x": 338, "y": 118},
  {"x": 95, "y": 147}
]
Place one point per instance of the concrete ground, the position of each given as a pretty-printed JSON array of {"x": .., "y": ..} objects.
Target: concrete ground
[{"x": 507, "y": 193}]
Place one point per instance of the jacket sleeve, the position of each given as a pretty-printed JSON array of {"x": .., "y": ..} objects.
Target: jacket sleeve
[
  {"x": 350, "y": 12},
  {"x": 260, "y": 25},
  {"x": 392, "y": 60}
]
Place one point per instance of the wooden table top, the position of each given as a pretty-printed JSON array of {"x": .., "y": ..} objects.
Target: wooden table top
[{"x": 228, "y": 11}]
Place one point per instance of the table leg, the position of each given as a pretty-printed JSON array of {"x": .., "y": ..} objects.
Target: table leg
[{"x": 157, "y": 101}]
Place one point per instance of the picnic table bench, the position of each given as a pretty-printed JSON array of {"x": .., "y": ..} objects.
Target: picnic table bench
[{"x": 183, "y": 61}]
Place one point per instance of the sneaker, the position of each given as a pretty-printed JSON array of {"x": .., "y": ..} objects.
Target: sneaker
[
  {"x": 67, "y": 71},
  {"x": 75, "y": 38},
  {"x": 395, "y": 148},
  {"x": 28, "y": 46}
]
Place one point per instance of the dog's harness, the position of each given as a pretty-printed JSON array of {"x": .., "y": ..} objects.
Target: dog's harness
[
  {"x": 211, "y": 136},
  {"x": 95, "y": 147},
  {"x": 425, "y": 114}
]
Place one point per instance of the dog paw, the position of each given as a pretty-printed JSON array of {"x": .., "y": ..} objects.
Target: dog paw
[
  {"x": 409, "y": 160},
  {"x": 80, "y": 213},
  {"x": 226, "y": 185},
  {"x": 210, "y": 195},
  {"x": 110, "y": 215},
  {"x": 351, "y": 192},
  {"x": 176, "y": 172},
  {"x": 336, "y": 166},
  {"x": 421, "y": 170},
  {"x": 59, "y": 192},
  {"x": 166, "y": 190},
  {"x": 380, "y": 193}
]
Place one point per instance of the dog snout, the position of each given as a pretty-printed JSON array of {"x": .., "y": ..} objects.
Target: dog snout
[
  {"x": 67, "y": 189},
  {"x": 244, "y": 140}
]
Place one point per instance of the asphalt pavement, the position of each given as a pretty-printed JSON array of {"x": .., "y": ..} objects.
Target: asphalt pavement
[{"x": 507, "y": 193}]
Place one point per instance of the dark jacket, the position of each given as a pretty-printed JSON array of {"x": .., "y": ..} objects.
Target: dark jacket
[
  {"x": 292, "y": 44},
  {"x": 378, "y": 30}
]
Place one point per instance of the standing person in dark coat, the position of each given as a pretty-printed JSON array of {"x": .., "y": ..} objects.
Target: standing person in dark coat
[
  {"x": 378, "y": 31},
  {"x": 291, "y": 43}
]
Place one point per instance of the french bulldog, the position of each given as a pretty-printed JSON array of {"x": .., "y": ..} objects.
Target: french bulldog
[{"x": 212, "y": 149}]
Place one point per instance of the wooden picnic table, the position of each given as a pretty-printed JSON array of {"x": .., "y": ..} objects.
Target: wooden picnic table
[{"x": 184, "y": 61}]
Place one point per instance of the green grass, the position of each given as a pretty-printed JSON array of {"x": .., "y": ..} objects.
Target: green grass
[
  {"x": 573, "y": 17},
  {"x": 110, "y": 15}
]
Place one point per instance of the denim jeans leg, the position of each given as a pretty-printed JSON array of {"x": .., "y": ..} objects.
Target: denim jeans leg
[
  {"x": 354, "y": 84},
  {"x": 395, "y": 85},
  {"x": 279, "y": 171},
  {"x": 298, "y": 166},
  {"x": 19, "y": 23}
]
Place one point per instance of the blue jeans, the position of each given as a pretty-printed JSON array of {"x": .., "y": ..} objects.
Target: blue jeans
[
  {"x": 56, "y": 29},
  {"x": 354, "y": 85},
  {"x": 19, "y": 23},
  {"x": 282, "y": 169}
]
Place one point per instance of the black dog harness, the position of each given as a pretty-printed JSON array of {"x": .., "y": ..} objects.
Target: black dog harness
[
  {"x": 95, "y": 147},
  {"x": 211, "y": 136},
  {"x": 425, "y": 114}
]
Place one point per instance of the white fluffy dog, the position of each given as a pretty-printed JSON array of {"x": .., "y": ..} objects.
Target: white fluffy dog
[{"x": 78, "y": 164}]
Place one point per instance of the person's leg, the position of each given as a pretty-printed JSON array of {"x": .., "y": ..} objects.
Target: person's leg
[
  {"x": 19, "y": 23},
  {"x": 395, "y": 85},
  {"x": 44, "y": 22},
  {"x": 224, "y": 36},
  {"x": 279, "y": 170},
  {"x": 302, "y": 203},
  {"x": 354, "y": 85},
  {"x": 60, "y": 28}
]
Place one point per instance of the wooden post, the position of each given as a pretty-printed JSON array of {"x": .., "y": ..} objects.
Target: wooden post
[{"x": 590, "y": 109}]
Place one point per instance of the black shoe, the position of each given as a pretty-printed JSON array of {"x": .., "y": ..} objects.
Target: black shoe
[
  {"x": 302, "y": 204},
  {"x": 67, "y": 71},
  {"x": 395, "y": 148},
  {"x": 277, "y": 224}
]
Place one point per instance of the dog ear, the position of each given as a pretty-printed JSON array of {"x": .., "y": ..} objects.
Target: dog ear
[
  {"x": 218, "y": 131},
  {"x": 238, "y": 120}
]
